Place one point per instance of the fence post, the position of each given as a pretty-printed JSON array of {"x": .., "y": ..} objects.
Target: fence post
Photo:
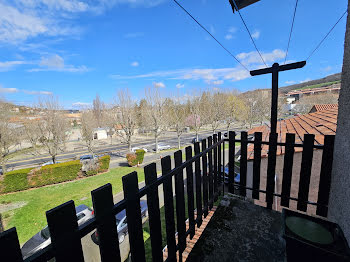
[
  {"x": 216, "y": 171},
  {"x": 102, "y": 199},
  {"x": 169, "y": 209},
  {"x": 243, "y": 164},
  {"x": 231, "y": 163},
  {"x": 133, "y": 214},
  {"x": 271, "y": 167},
  {"x": 221, "y": 168},
  {"x": 10, "y": 249},
  {"x": 256, "y": 164},
  {"x": 287, "y": 169},
  {"x": 65, "y": 238},
  {"x": 154, "y": 213}
]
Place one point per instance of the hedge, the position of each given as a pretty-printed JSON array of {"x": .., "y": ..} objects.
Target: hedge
[
  {"x": 104, "y": 163},
  {"x": 16, "y": 180},
  {"x": 56, "y": 173},
  {"x": 137, "y": 158}
]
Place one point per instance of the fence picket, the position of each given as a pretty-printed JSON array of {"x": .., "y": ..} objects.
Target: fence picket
[
  {"x": 305, "y": 171},
  {"x": 154, "y": 213},
  {"x": 102, "y": 199},
  {"x": 65, "y": 238},
  {"x": 180, "y": 203},
  {"x": 287, "y": 169},
  {"x": 231, "y": 163},
  {"x": 271, "y": 167},
  {"x": 221, "y": 168},
  {"x": 198, "y": 186},
  {"x": 190, "y": 194},
  {"x": 256, "y": 164},
  {"x": 133, "y": 213},
  {"x": 243, "y": 164},
  {"x": 325, "y": 176},
  {"x": 10, "y": 249},
  {"x": 169, "y": 209},
  {"x": 210, "y": 174},
  {"x": 216, "y": 166},
  {"x": 205, "y": 178}
]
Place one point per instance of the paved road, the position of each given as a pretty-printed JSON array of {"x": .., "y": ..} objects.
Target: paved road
[{"x": 119, "y": 149}]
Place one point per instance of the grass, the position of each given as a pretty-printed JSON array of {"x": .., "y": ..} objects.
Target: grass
[
  {"x": 30, "y": 218},
  {"x": 319, "y": 85}
]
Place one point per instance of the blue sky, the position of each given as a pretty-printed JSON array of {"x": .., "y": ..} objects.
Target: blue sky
[{"x": 75, "y": 49}]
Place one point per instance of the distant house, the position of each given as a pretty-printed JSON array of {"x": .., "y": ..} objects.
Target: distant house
[
  {"x": 317, "y": 108},
  {"x": 319, "y": 123},
  {"x": 100, "y": 133},
  {"x": 297, "y": 94}
]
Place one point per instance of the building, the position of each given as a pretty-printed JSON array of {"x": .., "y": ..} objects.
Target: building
[
  {"x": 317, "y": 108},
  {"x": 319, "y": 123},
  {"x": 100, "y": 133},
  {"x": 297, "y": 94}
]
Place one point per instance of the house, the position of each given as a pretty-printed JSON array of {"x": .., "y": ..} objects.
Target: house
[
  {"x": 317, "y": 108},
  {"x": 100, "y": 133},
  {"x": 297, "y": 94},
  {"x": 319, "y": 123}
]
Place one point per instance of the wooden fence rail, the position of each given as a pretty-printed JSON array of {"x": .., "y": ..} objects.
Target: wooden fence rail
[{"x": 196, "y": 194}]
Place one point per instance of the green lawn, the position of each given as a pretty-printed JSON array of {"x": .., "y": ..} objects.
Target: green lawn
[
  {"x": 30, "y": 218},
  {"x": 319, "y": 85}
]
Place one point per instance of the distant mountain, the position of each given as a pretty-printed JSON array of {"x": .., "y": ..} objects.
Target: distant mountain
[{"x": 330, "y": 78}]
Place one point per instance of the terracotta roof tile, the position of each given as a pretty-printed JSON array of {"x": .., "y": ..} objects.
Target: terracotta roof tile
[
  {"x": 319, "y": 123},
  {"x": 324, "y": 107}
]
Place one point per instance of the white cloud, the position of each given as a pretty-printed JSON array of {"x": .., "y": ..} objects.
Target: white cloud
[
  {"x": 8, "y": 90},
  {"x": 232, "y": 29},
  {"x": 306, "y": 80},
  {"x": 228, "y": 37},
  {"x": 212, "y": 29},
  {"x": 327, "y": 69},
  {"x": 29, "y": 92},
  {"x": 290, "y": 82},
  {"x": 135, "y": 64},
  {"x": 134, "y": 35},
  {"x": 254, "y": 58},
  {"x": 256, "y": 34},
  {"x": 180, "y": 86},
  {"x": 218, "y": 82},
  {"x": 158, "y": 84},
  {"x": 81, "y": 104},
  {"x": 56, "y": 63},
  {"x": 8, "y": 65}
]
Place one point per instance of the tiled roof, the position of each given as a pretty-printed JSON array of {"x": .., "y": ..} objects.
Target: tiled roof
[
  {"x": 323, "y": 107},
  {"x": 314, "y": 90},
  {"x": 318, "y": 123}
]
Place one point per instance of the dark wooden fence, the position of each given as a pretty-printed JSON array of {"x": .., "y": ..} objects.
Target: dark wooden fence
[{"x": 204, "y": 183}]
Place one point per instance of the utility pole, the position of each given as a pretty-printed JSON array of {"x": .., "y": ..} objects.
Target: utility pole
[{"x": 274, "y": 70}]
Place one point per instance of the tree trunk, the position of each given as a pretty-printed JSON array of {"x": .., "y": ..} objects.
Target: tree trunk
[
  {"x": 178, "y": 142},
  {"x": 156, "y": 142},
  {"x": 197, "y": 137},
  {"x": 129, "y": 145}
]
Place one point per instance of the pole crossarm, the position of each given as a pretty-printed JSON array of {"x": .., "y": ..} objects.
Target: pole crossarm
[{"x": 280, "y": 68}]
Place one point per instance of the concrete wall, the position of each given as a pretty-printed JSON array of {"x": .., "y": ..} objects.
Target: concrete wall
[
  {"x": 314, "y": 180},
  {"x": 339, "y": 205}
]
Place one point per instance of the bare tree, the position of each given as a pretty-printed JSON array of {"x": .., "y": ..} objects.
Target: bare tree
[
  {"x": 214, "y": 109},
  {"x": 126, "y": 116},
  {"x": 176, "y": 112},
  {"x": 155, "y": 113},
  {"x": 52, "y": 126},
  {"x": 8, "y": 134},
  {"x": 98, "y": 110},
  {"x": 88, "y": 125},
  {"x": 196, "y": 118}
]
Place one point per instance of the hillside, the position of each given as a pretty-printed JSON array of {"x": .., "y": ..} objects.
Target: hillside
[{"x": 313, "y": 83}]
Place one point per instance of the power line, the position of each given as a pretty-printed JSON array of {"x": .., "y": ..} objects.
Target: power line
[
  {"x": 291, "y": 30},
  {"x": 324, "y": 38},
  {"x": 210, "y": 35},
  {"x": 249, "y": 33}
]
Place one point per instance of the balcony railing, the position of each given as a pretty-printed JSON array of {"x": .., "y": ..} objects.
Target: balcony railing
[{"x": 204, "y": 183}]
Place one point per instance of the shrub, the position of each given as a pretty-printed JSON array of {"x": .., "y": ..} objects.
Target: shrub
[
  {"x": 132, "y": 159},
  {"x": 104, "y": 163},
  {"x": 57, "y": 173},
  {"x": 91, "y": 172},
  {"x": 16, "y": 180},
  {"x": 140, "y": 153}
]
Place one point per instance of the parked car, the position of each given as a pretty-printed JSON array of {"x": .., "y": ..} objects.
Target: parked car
[
  {"x": 42, "y": 239},
  {"x": 194, "y": 140},
  {"x": 50, "y": 163},
  {"x": 137, "y": 148},
  {"x": 237, "y": 177},
  {"x": 88, "y": 157},
  {"x": 122, "y": 224},
  {"x": 162, "y": 146}
]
